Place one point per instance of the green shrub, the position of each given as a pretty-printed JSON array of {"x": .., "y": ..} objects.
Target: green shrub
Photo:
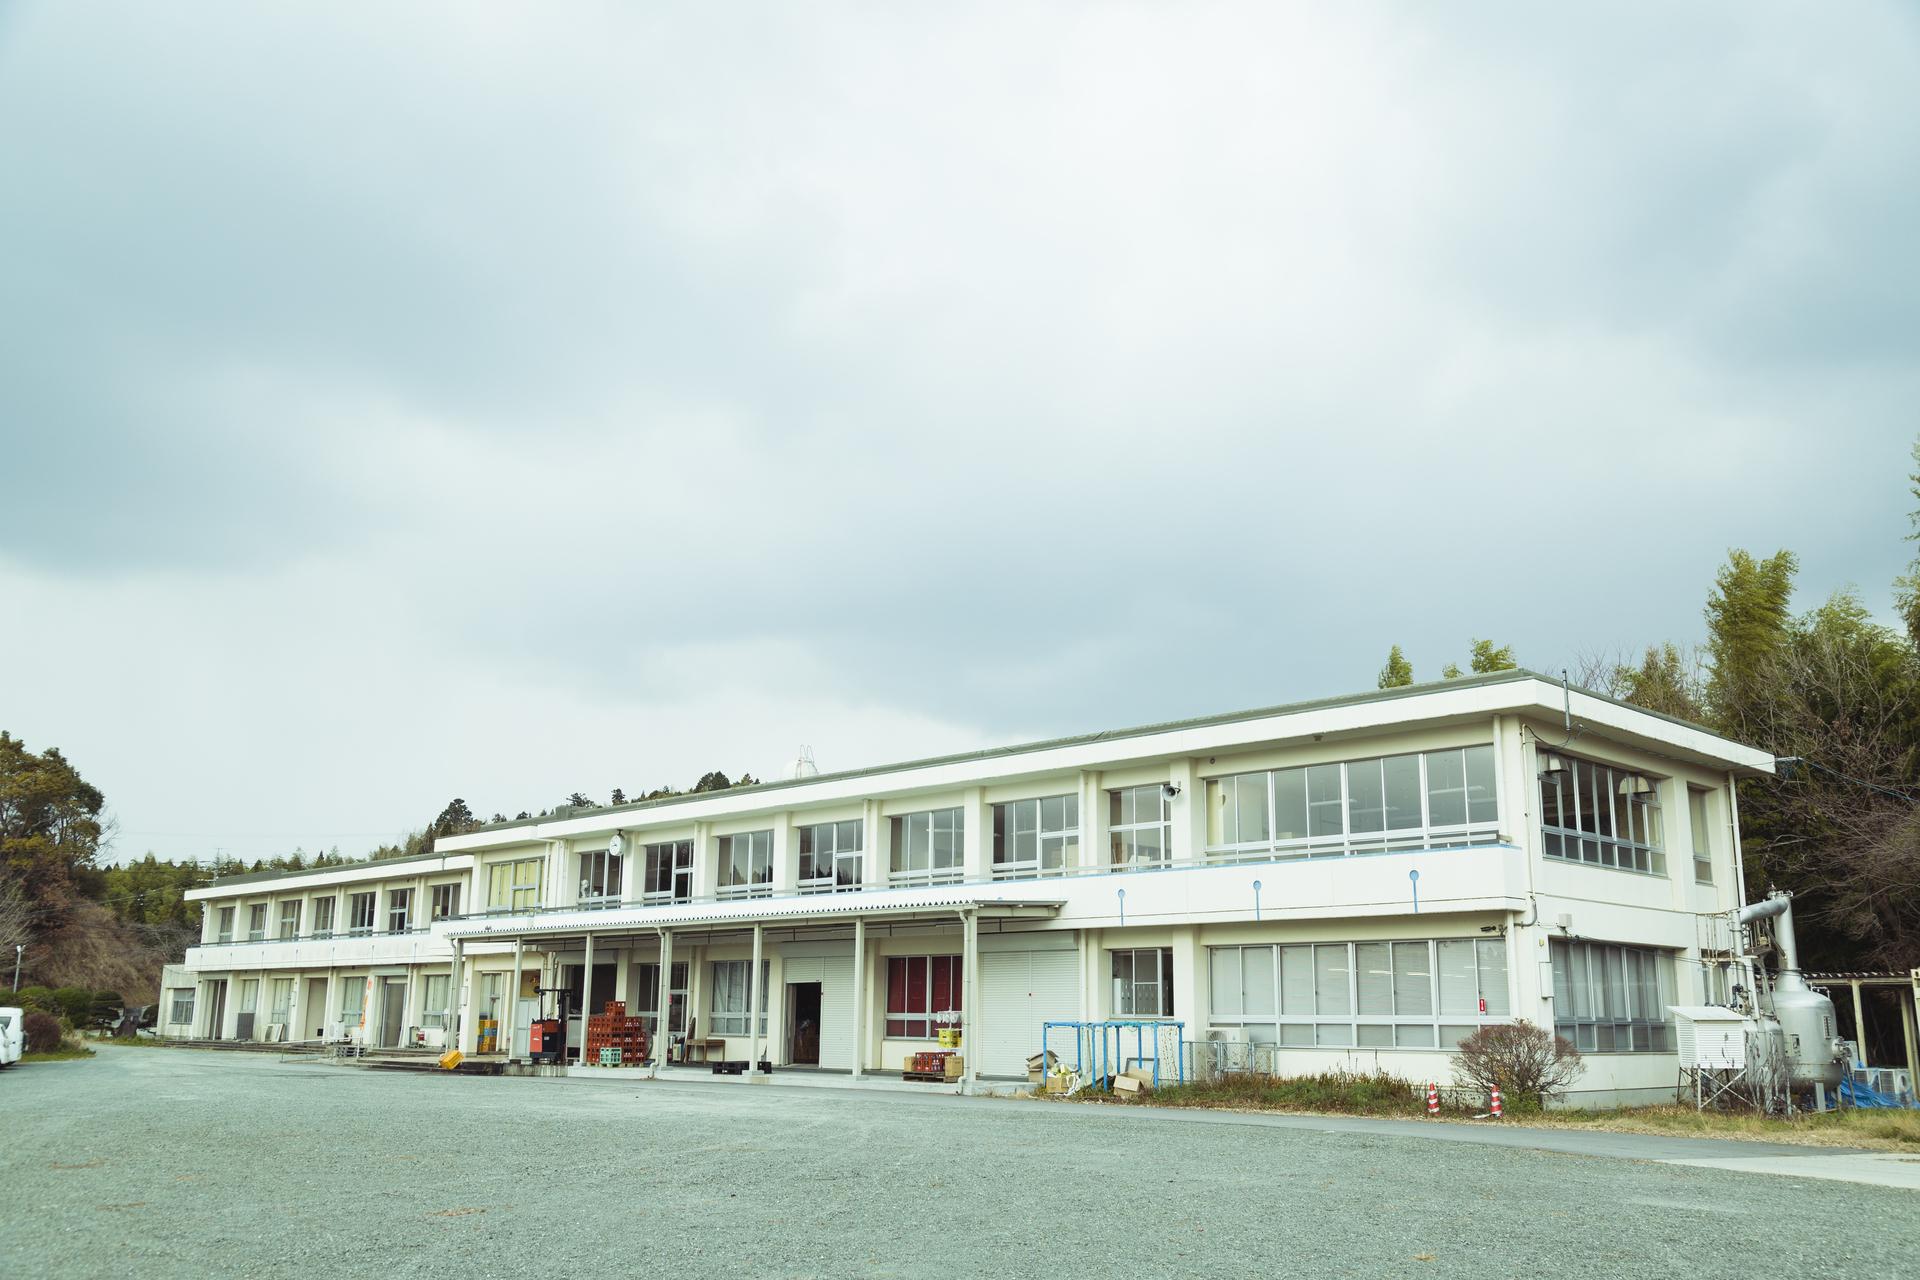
[
  {"x": 39, "y": 998},
  {"x": 73, "y": 1002},
  {"x": 43, "y": 1032}
]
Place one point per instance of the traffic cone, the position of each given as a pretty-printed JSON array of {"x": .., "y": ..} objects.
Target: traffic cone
[
  {"x": 1496, "y": 1105},
  {"x": 1433, "y": 1099}
]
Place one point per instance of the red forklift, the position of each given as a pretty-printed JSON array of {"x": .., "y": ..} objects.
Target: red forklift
[{"x": 547, "y": 1037}]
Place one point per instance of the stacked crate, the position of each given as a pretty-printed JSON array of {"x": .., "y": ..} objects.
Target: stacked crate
[{"x": 613, "y": 1029}]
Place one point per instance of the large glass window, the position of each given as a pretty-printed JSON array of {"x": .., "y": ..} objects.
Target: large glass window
[
  {"x": 1422, "y": 994},
  {"x": 926, "y": 847},
  {"x": 353, "y": 996},
  {"x": 746, "y": 865},
  {"x": 399, "y": 909},
  {"x": 445, "y": 901},
  {"x": 257, "y": 922},
  {"x": 360, "y": 908},
  {"x": 645, "y": 1002},
  {"x": 181, "y": 1011},
  {"x": 599, "y": 876},
  {"x": 1702, "y": 843},
  {"x": 289, "y": 919},
  {"x": 1140, "y": 826},
  {"x": 1036, "y": 837},
  {"x": 669, "y": 872},
  {"x": 1609, "y": 999},
  {"x": 921, "y": 992},
  {"x": 433, "y": 1000},
  {"x": 323, "y": 917},
  {"x": 732, "y": 996},
  {"x": 280, "y": 1003},
  {"x": 1435, "y": 799},
  {"x": 514, "y": 886},
  {"x": 1599, "y": 815},
  {"x": 830, "y": 856},
  {"x": 223, "y": 931},
  {"x": 1143, "y": 983}
]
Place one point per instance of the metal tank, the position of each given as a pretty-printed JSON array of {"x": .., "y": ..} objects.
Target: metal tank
[{"x": 1814, "y": 1051}]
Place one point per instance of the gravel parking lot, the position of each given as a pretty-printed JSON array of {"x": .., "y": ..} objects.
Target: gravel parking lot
[{"x": 186, "y": 1163}]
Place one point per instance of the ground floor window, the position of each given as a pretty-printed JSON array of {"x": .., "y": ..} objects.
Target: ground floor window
[
  {"x": 433, "y": 1000},
  {"x": 646, "y": 997},
  {"x": 181, "y": 1008},
  {"x": 919, "y": 990},
  {"x": 1411, "y": 995},
  {"x": 733, "y": 995},
  {"x": 280, "y": 1002},
  {"x": 1609, "y": 999},
  {"x": 353, "y": 992},
  {"x": 1143, "y": 983}
]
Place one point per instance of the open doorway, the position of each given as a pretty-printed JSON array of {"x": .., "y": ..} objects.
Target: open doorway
[
  {"x": 803, "y": 1023},
  {"x": 216, "y": 1008},
  {"x": 393, "y": 1009}
]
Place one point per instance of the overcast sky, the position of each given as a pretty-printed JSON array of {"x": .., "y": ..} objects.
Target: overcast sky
[{"x": 407, "y": 402}]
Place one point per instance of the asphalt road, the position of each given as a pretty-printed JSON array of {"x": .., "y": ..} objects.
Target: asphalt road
[{"x": 181, "y": 1163}]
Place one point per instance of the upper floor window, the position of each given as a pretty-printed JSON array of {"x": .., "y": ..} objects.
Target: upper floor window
[
  {"x": 746, "y": 865},
  {"x": 599, "y": 875},
  {"x": 668, "y": 875},
  {"x": 1600, "y": 815},
  {"x": 1702, "y": 846},
  {"x": 1610, "y": 999},
  {"x": 399, "y": 908},
  {"x": 1035, "y": 837},
  {"x": 323, "y": 917},
  {"x": 224, "y": 932},
  {"x": 360, "y": 908},
  {"x": 1435, "y": 799},
  {"x": 926, "y": 847},
  {"x": 289, "y": 918},
  {"x": 1140, "y": 825},
  {"x": 830, "y": 856},
  {"x": 1143, "y": 983},
  {"x": 256, "y": 922},
  {"x": 514, "y": 886},
  {"x": 444, "y": 901}
]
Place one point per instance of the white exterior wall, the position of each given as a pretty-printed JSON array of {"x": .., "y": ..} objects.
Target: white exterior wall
[{"x": 1503, "y": 888}]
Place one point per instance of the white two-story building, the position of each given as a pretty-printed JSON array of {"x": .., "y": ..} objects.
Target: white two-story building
[{"x": 1356, "y": 882}]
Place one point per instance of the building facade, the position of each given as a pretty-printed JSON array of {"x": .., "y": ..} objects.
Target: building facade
[{"x": 1348, "y": 883}]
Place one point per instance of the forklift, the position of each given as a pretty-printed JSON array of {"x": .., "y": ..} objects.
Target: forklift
[{"x": 547, "y": 1037}]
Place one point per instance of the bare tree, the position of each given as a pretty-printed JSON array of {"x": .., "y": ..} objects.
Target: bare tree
[{"x": 16, "y": 919}]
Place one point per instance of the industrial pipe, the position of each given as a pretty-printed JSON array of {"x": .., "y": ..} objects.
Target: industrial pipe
[{"x": 1778, "y": 903}]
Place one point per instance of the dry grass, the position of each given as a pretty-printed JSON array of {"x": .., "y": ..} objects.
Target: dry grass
[{"x": 1878, "y": 1130}]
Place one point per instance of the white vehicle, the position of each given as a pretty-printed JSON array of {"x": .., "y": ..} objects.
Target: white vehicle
[{"x": 13, "y": 1035}]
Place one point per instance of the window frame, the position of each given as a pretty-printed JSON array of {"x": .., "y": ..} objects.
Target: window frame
[
  {"x": 732, "y": 1021},
  {"x": 400, "y": 909},
  {"x": 755, "y": 862},
  {"x": 323, "y": 913},
  {"x": 605, "y": 868},
  {"x": 175, "y": 1015},
  {"x": 907, "y": 1023},
  {"x": 515, "y": 884},
  {"x": 256, "y": 922},
  {"x": 668, "y": 862},
  {"x": 223, "y": 923},
  {"x": 288, "y": 930},
  {"x": 1125, "y": 991},
  {"x": 356, "y": 929},
  {"x": 443, "y": 901},
  {"x": 824, "y": 844},
  {"x": 1592, "y": 1014},
  {"x": 1700, "y": 823},
  {"x": 1123, "y": 832},
  {"x": 1062, "y": 839},
  {"x": 934, "y": 866},
  {"x": 1585, "y": 843}
]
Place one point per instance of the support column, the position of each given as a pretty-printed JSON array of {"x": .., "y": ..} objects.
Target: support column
[
  {"x": 859, "y": 995},
  {"x": 663, "y": 1033},
  {"x": 512, "y": 1021},
  {"x": 331, "y": 1009},
  {"x": 756, "y": 1000},
  {"x": 1906, "y": 1027},
  {"x": 586, "y": 994},
  {"x": 1093, "y": 821},
  {"x": 874, "y": 852},
  {"x": 976, "y": 837},
  {"x": 786, "y": 857},
  {"x": 971, "y": 1016},
  {"x": 1859, "y": 1024},
  {"x": 460, "y": 1028}
]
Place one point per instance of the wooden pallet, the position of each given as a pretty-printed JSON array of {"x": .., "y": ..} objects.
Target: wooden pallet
[{"x": 930, "y": 1077}]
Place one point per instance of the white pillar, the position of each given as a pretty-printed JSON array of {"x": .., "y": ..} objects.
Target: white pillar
[
  {"x": 786, "y": 857},
  {"x": 706, "y": 866},
  {"x": 586, "y": 994},
  {"x": 873, "y": 846},
  {"x": 1093, "y": 821},
  {"x": 756, "y": 999},
  {"x": 663, "y": 1026},
  {"x": 972, "y": 1016},
  {"x": 513, "y": 1002},
  {"x": 976, "y": 836},
  {"x": 859, "y": 995}
]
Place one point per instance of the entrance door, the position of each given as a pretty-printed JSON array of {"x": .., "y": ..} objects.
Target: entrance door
[
  {"x": 393, "y": 1011},
  {"x": 216, "y": 1008},
  {"x": 249, "y": 1008},
  {"x": 313, "y": 1019},
  {"x": 803, "y": 1023}
]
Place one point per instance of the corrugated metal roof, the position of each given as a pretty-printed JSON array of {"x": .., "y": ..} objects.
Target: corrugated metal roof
[{"x": 752, "y": 911}]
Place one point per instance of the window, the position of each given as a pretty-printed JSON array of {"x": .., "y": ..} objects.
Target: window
[
  {"x": 180, "y": 1010},
  {"x": 444, "y": 901},
  {"x": 926, "y": 847},
  {"x": 1433, "y": 800},
  {"x": 1599, "y": 815},
  {"x": 1609, "y": 999},
  {"x": 599, "y": 876},
  {"x": 256, "y": 922},
  {"x": 360, "y": 913},
  {"x": 1143, "y": 983},
  {"x": 433, "y": 1000},
  {"x": 1702, "y": 844},
  {"x": 399, "y": 906},
  {"x": 514, "y": 886},
  {"x": 280, "y": 1002},
  {"x": 669, "y": 872},
  {"x": 830, "y": 856},
  {"x": 646, "y": 997},
  {"x": 289, "y": 919},
  {"x": 323, "y": 917},
  {"x": 225, "y": 930},
  {"x": 732, "y": 993},
  {"x": 1140, "y": 826},
  {"x": 1409, "y": 995},
  {"x": 921, "y": 991},
  {"x": 746, "y": 865},
  {"x": 353, "y": 992},
  {"x": 1036, "y": 837}
]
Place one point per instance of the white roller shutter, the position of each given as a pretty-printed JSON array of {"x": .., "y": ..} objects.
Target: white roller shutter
[
  {"x": 835, "y": 976},
  {"x": 1019, "y": 990}
]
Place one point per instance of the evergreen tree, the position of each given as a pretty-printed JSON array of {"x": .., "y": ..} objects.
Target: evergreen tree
[
  {"x": 1747, "y": 632},
  {"x": 1398, "y": 673}
]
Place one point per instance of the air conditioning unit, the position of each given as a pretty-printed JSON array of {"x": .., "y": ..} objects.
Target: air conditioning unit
[{"x": 1226, "y": 1035}]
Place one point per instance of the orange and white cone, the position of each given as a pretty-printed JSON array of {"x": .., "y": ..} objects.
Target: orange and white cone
[
  {"x": 1497, "y": 1111},
  {"x": 1433, "y": 1099}
]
